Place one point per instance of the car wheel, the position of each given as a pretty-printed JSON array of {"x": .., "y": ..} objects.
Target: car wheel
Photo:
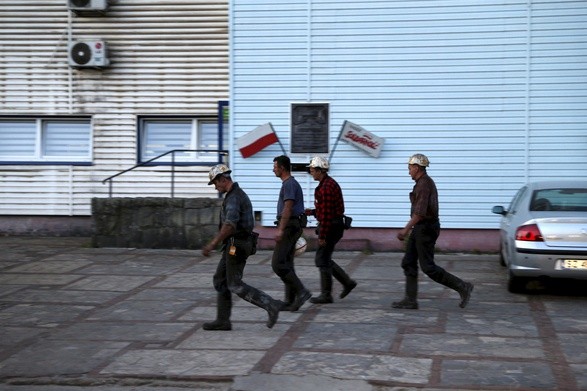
[{"x": 516, "y": 284}]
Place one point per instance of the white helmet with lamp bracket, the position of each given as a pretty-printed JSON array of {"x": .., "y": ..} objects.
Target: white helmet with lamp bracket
[
  {"x": 218, "y": 170},
  {"x": 319, "y": 162},
  {"x": 419, "y": 159}
]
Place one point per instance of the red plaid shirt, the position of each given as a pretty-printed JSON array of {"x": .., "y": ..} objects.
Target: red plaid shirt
[{"x": 329, "y": 204}]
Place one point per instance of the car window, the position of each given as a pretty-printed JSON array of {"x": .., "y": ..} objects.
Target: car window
[
  {"x": 515, "y": 204},
  {"x": 562, "y": 199}
]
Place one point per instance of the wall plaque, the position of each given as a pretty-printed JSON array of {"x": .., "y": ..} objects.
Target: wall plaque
[{"x": 309, "y": 127}]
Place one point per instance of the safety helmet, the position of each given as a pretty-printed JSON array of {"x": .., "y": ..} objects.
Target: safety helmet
[
  {"x": 217, "y": 170},
  {"x": 419, "y": 159},
  {"x": 318, "y": 162},
  {"x": 301, "y": 246}
]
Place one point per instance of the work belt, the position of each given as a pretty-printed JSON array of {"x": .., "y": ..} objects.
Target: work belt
[
  {"x": 428, "y": 221},
  {"x": 299, "y": 218},
  {"x": 240, "y": 235}
]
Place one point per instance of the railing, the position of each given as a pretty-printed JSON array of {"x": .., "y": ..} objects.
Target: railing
[{"x": 173, "y": 164}]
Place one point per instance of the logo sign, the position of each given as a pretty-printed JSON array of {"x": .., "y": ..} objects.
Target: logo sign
[{"x": 362, "y": 139}]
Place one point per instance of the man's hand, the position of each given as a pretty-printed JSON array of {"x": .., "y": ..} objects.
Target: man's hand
[
  {"x": 207, "y": 249},
  {"x": 279, "y": 235},
  {"x": 401, "y": 235},
  {"x": 321, "y": 242}
]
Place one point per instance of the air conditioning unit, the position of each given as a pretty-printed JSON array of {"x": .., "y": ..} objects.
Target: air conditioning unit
[
  {"x": 88, "y": 54},
  {"x": 87, "y": 6}
]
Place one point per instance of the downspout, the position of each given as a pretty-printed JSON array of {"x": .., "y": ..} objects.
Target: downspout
[
  {"x": 69, "y": 70},
  {"x": 309, "y": 196},
  {"x": 309, "y": 51},
  {"x": 527, "y": 98},
  {"x": 70, "y": 104},
  {"x": 231, "y": 100}
]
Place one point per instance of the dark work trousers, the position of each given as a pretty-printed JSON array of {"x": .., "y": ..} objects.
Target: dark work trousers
[
  {"x": 323, "y": 258},
  {"x": 229, "y": 274},
  {"x": 420, "y": 249},
  {"x": 282, "y": 261}
]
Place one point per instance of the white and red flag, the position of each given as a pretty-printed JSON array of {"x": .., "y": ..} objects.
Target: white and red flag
[
  {"x": 361, "y": 138},
  {"x": 256, "y": 140}
]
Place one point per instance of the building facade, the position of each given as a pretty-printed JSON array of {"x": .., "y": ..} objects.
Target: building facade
[
  {"x": 493, "y": 92},
  {"x": 89, "y": 88}
]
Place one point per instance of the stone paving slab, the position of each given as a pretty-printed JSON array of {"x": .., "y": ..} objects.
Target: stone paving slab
[
  {"x": 499, "y": 374},
  {"x": 74, "y": 317},
  {"x": 204, "y": 363},
  {"x": 356, "y": 366}
]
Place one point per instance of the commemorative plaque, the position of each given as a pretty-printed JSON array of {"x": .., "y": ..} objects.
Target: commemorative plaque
[{"x": 309, "y": 127}]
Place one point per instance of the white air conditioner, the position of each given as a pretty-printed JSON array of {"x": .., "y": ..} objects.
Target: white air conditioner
[
  {"x": 88, "y": 54},
  {"x": 89, "y": 6}
]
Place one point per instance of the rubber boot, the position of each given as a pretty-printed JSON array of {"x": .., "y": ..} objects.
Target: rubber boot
[
  {"x": 263, "y": 300},
  {"x": 410, "y": 301},
  {"x": 347, "y": 283},
  {"x": 290, "y": 295},
  {"x": 224, "y": 309},
  {"x": 302, "y": 294},
  {"x": 463, "y": 288},
  {"x": 326, "y": 288}
]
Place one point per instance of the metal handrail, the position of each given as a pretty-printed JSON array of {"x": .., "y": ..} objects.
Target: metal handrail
[{"x": 172, "y": 152}]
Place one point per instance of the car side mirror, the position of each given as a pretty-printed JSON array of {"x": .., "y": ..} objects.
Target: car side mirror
[{"x": 499, "y": 210}]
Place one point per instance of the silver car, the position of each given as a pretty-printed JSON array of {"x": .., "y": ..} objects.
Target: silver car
[{"x": 543, "y": 232}]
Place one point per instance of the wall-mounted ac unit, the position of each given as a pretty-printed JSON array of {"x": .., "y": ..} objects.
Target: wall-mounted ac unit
[
  {"x": 87, "y": 6},
  {"x": 88, "y": 54}
]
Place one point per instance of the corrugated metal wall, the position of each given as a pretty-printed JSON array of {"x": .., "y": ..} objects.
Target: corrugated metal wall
[
  {"x": 494, "y": 92},
  {"x": 167, "y": 57}
]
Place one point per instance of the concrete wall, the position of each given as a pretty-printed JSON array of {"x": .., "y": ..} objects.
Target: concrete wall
[{"x": 154, "y": 222}]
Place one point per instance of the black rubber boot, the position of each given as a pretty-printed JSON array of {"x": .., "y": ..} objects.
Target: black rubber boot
[
  {"x": 326, "y": 288},
  {"x": 405, "y": 304},
  {"x": 302, "y": 294},
  {"x": 410, "y": 301},
  {"x": 347, "y": 283},
  {"x": 465, "y": 291},
  {"x": 224, "y": 309},
  {"x": 463, "y": 288},
  {"x": 290, "y": 295},
  {"x": 263, "y": 300}
]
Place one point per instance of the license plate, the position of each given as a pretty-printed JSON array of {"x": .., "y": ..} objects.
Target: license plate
[{"x": 575, "y": 264}]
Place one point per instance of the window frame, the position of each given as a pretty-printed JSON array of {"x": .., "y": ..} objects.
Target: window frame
[
  {"x": 39, "y": 156},
  {"x": 195, "y": 141}
]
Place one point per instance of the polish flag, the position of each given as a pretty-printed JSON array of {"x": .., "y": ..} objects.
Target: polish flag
[{"x": 256, "y": 140}]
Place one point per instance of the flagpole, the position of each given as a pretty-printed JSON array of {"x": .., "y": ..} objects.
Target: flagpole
[
  {"x": 278, "y": 140},
  {"x": 337, "y": 140}
]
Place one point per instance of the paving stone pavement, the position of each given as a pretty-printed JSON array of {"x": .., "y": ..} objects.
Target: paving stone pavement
[{"x": 76, "y": 318}]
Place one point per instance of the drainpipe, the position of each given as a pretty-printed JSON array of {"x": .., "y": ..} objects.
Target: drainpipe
[
  {"x": 527, "y": 98},
  {"x": 69, "y": 70}
]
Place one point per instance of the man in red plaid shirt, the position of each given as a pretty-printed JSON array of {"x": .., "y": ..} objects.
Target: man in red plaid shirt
[{"x": 329, "y": 211}]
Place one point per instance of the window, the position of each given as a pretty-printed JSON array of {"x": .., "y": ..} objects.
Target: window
[
  {"x": 45, "y": 140},
  {"x": 566, "y": 199},
  {"x": 161, "y": 135}
]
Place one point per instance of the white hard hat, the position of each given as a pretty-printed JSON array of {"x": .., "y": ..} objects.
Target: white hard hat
[
  {"x": 319, "y": 162},
  {"x": 419, "y": 159},
  {"x": 218, "y": 169},
  {"x": 301, "y": 246}
]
